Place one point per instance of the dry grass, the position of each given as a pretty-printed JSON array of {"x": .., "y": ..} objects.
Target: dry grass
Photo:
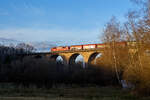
[
  {"x": 68, "y": 93},
  {"x": 37, "y": 98}
]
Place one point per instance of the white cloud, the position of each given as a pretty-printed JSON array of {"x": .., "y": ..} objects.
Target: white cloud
[{"x": 27, "y": 34}]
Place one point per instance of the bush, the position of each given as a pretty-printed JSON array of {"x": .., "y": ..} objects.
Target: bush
[
  {"x": 45, "y": 73},
  {"x": 138, "y": 72}
]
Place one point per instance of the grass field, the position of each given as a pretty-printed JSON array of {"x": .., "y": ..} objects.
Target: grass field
[{"x": 68, "y": 93}]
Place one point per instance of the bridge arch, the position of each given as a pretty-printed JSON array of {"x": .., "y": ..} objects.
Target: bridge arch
[
  {"x": 58, "y": 59},
  {"x": 93, "y": 57},
  {"x": 74, "y": 59}
]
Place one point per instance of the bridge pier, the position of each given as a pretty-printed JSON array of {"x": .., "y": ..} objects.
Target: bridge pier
[{"x": 69, "y": 57}]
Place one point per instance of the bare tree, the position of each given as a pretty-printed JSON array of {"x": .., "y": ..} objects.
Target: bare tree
[
  {"x": 25, "y": 47},
  {"x": 113, "y": 34},
  {"x": 137, "y": 29}
]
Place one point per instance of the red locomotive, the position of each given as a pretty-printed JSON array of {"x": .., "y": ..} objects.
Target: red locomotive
[
  {"x": 60, "y": 48},
  {"x": 86, "y": 47}
]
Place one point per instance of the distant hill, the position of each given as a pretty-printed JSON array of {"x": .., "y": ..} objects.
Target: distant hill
[
  {"x": 7, "y": 42},
  {"x": 39, "y": 46},
  {"x": 46, "y": 45},
  {"x": 43, "y": 46}
]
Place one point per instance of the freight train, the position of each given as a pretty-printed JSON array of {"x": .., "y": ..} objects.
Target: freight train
[{"x": 85, "y": 47}]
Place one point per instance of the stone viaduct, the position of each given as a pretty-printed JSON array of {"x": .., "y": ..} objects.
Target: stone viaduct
[{"x": 69, "y": 57}]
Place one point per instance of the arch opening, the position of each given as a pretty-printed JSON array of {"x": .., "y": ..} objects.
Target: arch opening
[
  {"x": 93, "y": 58},
  {"x": 77, "y": 59},
  {"x": 58, "y": 59}
]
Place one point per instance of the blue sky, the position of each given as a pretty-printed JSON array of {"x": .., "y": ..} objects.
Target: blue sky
[{"x": 53, "y": 20}]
